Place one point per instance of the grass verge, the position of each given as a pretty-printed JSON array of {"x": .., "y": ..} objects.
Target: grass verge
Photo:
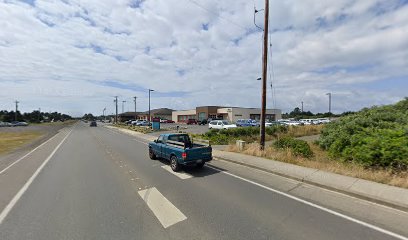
[
  {"x": 320, "y": 160},
  {"x": 10, "y": 141}
]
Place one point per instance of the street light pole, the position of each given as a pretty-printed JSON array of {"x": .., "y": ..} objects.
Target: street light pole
[
  {"x": 150, "y": 90},
  {"x": 135, "y": 107},
  {"x": 15, "y": 114},
  {"x": 123, "y": 106},
  {"x": 302, "y": 109},
  {"x": 264, "y": 75},
  {"x": 116, "y": 106},
  {"x": 329, "y": 102},
  {"x": 103, "y": 114}
]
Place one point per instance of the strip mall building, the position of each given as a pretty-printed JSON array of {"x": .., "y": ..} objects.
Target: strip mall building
[{"x": 231, "y": 114}]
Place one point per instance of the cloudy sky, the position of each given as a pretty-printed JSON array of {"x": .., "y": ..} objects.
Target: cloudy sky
[{"x": 75, "y": 55}]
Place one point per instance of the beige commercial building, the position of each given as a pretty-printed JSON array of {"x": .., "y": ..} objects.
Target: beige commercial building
[{"x": 231, "y": 114}]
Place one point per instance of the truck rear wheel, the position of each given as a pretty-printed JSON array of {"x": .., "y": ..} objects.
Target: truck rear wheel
[
  {"x": 152, "y": 155},
  {"x": 175, "y": 166}
]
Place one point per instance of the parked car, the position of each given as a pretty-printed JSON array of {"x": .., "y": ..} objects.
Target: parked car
[
  {"x": 254, "y": 123},
  {"x": 143, "y": 123},
  {"x": 134, "y": 122},
  {"x": 244, "y": 123},
  {"x": 129, "y": 122},
  {"x": 180, "y": 151},
  {"x": 3, "y": 124},
  {"x": 93, "y": 124},
  {"x": 166, "y": 121},
  {"x": 203, "y": 122},
  {"x": 221, "y": 124},
  {"x": 191, "y": 121},
  {"x": 272, "y": 123}
]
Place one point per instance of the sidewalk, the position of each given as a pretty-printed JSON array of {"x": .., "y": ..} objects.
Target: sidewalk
[{"x": 372, "y": 191}]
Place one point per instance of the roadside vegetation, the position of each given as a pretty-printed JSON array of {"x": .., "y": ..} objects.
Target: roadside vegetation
[
  {"x": 251, "y": 134},
  {"x": 141, "y": 129},
  {"x": 10, "y": 141},
  {"x": 375, "y": 137},
  {"x": 371, "y": 144},
  {"x": 321, "y": 160}
]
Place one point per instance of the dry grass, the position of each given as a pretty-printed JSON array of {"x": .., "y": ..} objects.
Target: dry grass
[
  {"x": 306, "y": 130},
  {"x": 321, "y": 161},
  {"x": 10, "y": 141},
  {"x": 141, "y": 129}
]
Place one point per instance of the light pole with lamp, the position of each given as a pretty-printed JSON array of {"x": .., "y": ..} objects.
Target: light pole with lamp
[
  {"x": 123, "y": 106},
  {"x": 329, "y": 94},
  {"x": 150, "y": 90}
]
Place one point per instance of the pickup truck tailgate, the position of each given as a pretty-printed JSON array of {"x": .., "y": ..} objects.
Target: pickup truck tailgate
[{"x": 203, "y": 153}]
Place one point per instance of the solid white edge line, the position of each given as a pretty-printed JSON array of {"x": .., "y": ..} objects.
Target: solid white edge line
[
  {"x": 368, "y": 225},
  {"x": 20, "y": 193},
  {"x": 324, "y": 189},
  {"x": 9, "y": 166}
]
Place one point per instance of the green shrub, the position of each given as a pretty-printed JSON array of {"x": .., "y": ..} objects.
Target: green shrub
[
  {"x": 375, "y": 137},
  {"x": 298, "y": 147},
  {"x": 225, "y": 136}
]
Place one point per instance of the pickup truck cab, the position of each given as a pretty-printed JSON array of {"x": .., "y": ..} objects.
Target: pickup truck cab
[{"x": 180, "y": 151}]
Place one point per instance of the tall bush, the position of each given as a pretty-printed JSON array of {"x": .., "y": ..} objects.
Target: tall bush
[{"x": 373, "y": 137}]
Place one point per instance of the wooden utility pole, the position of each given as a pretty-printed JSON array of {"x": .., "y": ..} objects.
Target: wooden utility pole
[{"x": 264, "y": 75}]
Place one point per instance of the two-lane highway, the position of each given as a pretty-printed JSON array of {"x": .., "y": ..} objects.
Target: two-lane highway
[{"x": 101, "y": 184}]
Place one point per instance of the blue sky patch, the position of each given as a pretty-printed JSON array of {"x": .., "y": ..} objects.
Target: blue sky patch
[
  {"x": 138, "y": 88},
  {"x": 204, "y": 26},
  {"x": 29, "y": 2},
  {"x": 181, "y": 72},
  {"x": 136, "y": 3},
  {"x": 348, "y": 69}
]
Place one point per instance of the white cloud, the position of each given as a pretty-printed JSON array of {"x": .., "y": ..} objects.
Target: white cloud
[{"x": 59, "y": 55}]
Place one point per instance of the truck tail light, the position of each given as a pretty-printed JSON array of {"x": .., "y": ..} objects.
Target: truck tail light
[{"x": 184, "y": 155}]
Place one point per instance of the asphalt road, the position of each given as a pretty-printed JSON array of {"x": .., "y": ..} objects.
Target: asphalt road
[{"x": 95, "y": 183}]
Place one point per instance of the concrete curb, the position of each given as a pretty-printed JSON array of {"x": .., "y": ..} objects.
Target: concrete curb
[{"x": 375, "y": 192}]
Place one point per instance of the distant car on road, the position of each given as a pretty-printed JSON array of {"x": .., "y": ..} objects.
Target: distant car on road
[
  {"x": 221, "y": 124},
  {"x": 180, "y": 151},
  {"x": 191, "y": 121},
  {"x": 93, "y": 124},
  {"x": 18, "y": 124}
]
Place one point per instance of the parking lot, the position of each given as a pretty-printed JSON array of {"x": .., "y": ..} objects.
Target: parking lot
[{"x": 171, "y": 127}]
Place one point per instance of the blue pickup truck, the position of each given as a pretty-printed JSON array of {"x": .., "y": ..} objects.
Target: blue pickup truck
[{"x": 180, "y": 151}]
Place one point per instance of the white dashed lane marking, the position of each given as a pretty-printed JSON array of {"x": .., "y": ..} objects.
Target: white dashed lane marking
[
  {"x": 181, "y": 175},
  {"x": 162, "y": 208}
]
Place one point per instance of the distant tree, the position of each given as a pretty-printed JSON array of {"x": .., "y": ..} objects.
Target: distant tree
[{"x": 88, "y": 117}]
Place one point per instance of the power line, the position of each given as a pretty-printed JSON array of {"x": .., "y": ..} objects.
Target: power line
[{"x": 217, "y": 14}]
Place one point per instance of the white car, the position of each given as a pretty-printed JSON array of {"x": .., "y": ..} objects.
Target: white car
[{"x": 221, "y": 124}]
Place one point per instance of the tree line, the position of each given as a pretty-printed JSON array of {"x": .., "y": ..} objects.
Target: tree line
[
  {"x": 298, "y": 114},
  {"x": 33, "y": 117}
]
